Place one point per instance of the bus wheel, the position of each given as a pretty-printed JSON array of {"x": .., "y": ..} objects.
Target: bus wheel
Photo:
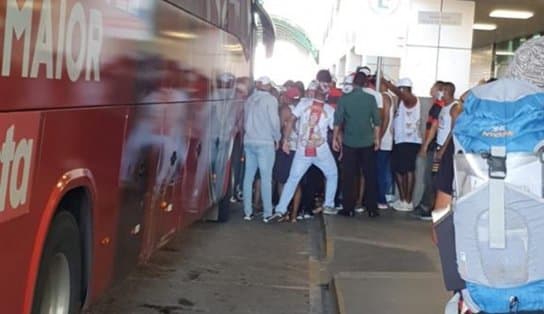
[{"x": 59, "y": 278}]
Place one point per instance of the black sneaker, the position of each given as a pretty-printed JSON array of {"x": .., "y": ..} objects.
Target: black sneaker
[{"x": 421, "y": 214}]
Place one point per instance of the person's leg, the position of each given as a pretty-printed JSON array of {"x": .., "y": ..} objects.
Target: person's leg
[
  {"x": 349, "y": 171},
  {"x": 265, "y": 159},
  {"x": 410, "y": 182},
  {"x": 257, "y": 191},
  {"x": 298, "y": 168},
  {"x": 398, "y": 161},
  {"x": 400, "y": 185},
  {"x": 338, "y": 195},
  {"x": 412, "y": 150},
  {"x": 369, "y": 172},
  {"x": 296, "y": 202},
  {"x": 381, "y": 159},
  {"x": 249, "y": 175},
  {"x": 427, "y": 201},
  {"x": 325, "y": 162},
  {"x": 361, "y": 189}
]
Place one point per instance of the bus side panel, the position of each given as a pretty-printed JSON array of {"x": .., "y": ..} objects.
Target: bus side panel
[{"x": 90, "y": 139}]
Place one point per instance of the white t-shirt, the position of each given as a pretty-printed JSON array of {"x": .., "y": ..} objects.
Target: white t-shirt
[{"x": 303, "y": 111}]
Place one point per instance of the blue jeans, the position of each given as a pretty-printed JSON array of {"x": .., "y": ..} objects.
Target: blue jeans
[
  {"x": 325, "y": 162},
  {"x": 258, "y": 156},
  {"x": 385, "y": 177}
]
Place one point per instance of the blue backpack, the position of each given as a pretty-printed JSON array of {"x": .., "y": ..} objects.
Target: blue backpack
[{"x": 498, "y": 208}]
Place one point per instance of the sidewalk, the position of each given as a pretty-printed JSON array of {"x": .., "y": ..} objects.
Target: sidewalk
[{"x": 386, "y": 265}]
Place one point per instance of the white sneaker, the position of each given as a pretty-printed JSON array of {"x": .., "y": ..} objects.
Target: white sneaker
[
  {"x": 272, "y": 217},
  {"x": 360, "y": 210},
  {"x": 248, "y": 218},
  {"x": 404, "y": 207},
  {"x": 307, "y": 216},
  {"x": 382, "y": 206},
  {"x": 408, "y": 207},
  {"x": 398, "y": 205}
]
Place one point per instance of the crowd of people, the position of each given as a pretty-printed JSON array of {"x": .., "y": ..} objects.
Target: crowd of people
[{"x": 354, "y": 145}]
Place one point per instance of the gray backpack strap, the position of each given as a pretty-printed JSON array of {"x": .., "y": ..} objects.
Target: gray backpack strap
[{"x": 497, "y": 174}]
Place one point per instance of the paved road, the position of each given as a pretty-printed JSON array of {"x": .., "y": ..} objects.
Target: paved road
[{"x": 235, "y": 267}]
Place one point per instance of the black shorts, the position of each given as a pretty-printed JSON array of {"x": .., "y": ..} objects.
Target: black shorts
[
  {"x": 444, "y": 176},
  {"x": 282, "y": 165},
  {"x": 404, "y": 157}
]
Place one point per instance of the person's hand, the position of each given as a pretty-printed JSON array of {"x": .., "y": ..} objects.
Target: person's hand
[
  {"x": 277, "y": 145},
  {"x": 376, "y": 145},
  {"x": 285, "y": 147},
  {"x": 336, "y": 144},
  {"x": 423, "y": 151}
]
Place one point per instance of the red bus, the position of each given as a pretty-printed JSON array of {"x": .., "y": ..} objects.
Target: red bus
[{"x": 117, "y": 120}]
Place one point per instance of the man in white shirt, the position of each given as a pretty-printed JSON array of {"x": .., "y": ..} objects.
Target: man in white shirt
[{"x": 315, "y": 118}]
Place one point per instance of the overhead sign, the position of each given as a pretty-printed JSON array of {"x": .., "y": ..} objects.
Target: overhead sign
[{"x": 440, "y": 18}]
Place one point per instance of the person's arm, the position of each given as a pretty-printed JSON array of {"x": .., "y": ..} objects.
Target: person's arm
[
  {"x": 385, "y": 115},
  {"x": 339, "y": 115},
  {"x": 376, "y": 122},
  {"x": 274, "y": 116},
  {"x": 454, "y": 112},
  {"x": 408, "y": 98},
  {"x": 288, "y": 128},
  {"x": 429, "y": 136}
]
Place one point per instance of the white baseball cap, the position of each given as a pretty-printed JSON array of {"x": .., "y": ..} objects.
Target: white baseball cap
[
  {"x": 405, "y": 82},
  {"x": 265, "y": 80},
  {"x": 365, "y": 70}
]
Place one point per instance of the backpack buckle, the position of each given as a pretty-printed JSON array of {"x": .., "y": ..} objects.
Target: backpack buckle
[{"x": 496, "y": 162}]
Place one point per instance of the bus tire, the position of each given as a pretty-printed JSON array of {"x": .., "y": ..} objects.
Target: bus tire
[{"x": 59, "y": 276}]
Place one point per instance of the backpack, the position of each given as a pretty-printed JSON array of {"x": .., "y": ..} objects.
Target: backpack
[{"x": 498, "y": 207}]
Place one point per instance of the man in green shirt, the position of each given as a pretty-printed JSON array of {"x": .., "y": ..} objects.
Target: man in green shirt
[{"x": 358, "y": 116}]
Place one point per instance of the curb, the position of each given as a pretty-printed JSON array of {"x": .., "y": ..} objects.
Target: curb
[
  {"x": 338, "y": 296},
  {"x": 329, "y": 239}
]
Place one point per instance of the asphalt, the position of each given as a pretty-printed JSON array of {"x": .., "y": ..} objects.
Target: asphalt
[
  {"x": 327, "y": 265},
  {"x": 233, "y": 267}
]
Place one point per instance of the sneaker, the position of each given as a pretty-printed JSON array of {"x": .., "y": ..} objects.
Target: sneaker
[
  {"x": 330, "y": 211},
  {"x": 420, "y": 213},
  {"x": 426, "y": 216},
  {"x": 300, "y": 217},
  {"x": 405, "y": 207},
  {"x": 397, "y": 204},
  {"x": 272, "y": 217},
  {"x": 360, "y": 210},
  {"x": 339, "y": 207},
  {"x": 248, "y": 218},
  {"x": 308, "y": 216},
  {"x": 382, "y": 206}
]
